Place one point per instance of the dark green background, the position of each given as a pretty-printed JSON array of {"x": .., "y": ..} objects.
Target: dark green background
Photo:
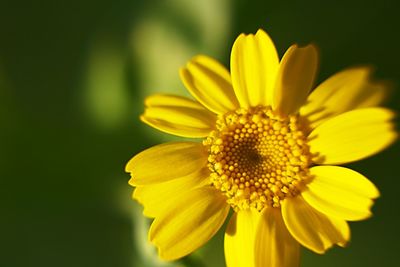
[{"x": 64, "y": 198}]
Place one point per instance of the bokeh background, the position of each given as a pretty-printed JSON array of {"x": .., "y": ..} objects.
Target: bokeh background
[{"x": 73, "y": 76}]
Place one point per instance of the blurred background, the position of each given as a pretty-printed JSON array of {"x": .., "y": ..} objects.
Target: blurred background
[{"x": 73, "y": 76}]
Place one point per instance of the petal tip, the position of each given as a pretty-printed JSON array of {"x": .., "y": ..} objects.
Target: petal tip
[
  {"x": 261, "y": 31},
  {"x": 129, "y": 165},
  {"x": 199, "y": 58},
  {"x": 148, "y": 101},
  {"x": 163, "y": 255},
  {"x": 262, "y": 34},
  {"x": 184, "y": 75},
  {"x": 375, "y": 193},
  {"x": 132, "y": 182},
  {"x": 144, "y": 119}
]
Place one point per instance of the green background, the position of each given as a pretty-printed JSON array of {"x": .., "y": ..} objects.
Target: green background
[{"x": 73, "y": 76}]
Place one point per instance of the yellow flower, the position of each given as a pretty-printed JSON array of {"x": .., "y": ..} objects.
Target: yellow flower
[{"x": 269, "y": 149}]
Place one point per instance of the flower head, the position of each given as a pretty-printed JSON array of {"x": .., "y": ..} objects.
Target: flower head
[{"x": 269, "y": 152}]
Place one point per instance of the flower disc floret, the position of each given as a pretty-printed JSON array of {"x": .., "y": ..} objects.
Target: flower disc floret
[{"x": 257, "y": 158}]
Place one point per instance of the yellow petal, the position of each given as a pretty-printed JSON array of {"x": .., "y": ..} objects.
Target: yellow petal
[
  {"x": 210, "y": 83},
  {"x": 275, "y": 246},
  {"x": 295, "y": 78},
  {"x": 189, "y": 222},
  {"x": 178, "y": 115},
  {"x": 254, "y": 63},
  {"x": 344, "y": 91},
  {"x": 239, "y": 240},
  {"x": 312, "y": 229},
  {"x": 155, "y": 198},
  {"x": 166, "y": 162},
  {"x": 352, "y": 136},
  {"x": 340, "y": 192}
]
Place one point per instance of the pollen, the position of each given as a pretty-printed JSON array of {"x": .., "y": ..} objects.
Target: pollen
[{"x": 257, "y": 158}]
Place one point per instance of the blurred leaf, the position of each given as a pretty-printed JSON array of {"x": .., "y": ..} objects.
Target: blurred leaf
[{"x": 106, "y": 92}]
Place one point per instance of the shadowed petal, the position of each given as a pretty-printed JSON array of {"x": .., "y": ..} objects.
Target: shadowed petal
[
  {"x": 295, "y": 78},
  {"x": 275, "y": 246}
]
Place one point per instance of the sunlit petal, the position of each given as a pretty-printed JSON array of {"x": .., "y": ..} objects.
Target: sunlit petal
[
  {"x": 165, "y": 162},
  {"x": 188, "y": 223},
  {"x": 240, "y": 239},
  {"x": 155, "y": 198},
  {"x": 254, "y": 64},
  {"x": 340, "y": 192},
  {"x": 352, "y": 136},
  {"x": 344, "y": 91},
  {"x": 178, "y": 115},
  {"x": 314, "y": 230}
]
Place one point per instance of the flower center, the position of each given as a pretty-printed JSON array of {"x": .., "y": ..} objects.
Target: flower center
[{"x": 257, "y": 159}]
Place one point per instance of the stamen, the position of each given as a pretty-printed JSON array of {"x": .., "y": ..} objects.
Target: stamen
[{"x": 257, "y": 159}]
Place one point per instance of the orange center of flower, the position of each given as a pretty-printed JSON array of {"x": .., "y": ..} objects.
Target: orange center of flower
[{"x": 257, "y": 159}]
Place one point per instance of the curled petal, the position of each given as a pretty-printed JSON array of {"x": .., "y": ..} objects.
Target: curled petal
[
  {"x": 178, "y": 115},
  {"x": 210, "y": 83}
]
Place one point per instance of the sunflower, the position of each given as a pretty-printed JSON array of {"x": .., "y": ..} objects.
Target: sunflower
[{"x": 269, "y": 150}]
